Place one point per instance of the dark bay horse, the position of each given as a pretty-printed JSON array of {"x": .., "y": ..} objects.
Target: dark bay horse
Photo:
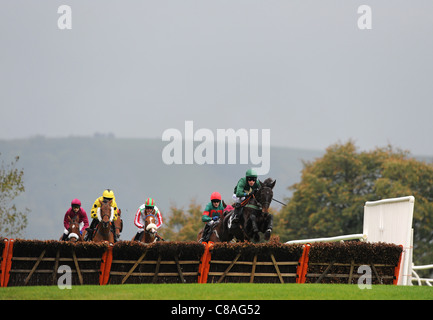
[
  {"x": 103, "y": 230},
  {"x": 255, "y": 215}
]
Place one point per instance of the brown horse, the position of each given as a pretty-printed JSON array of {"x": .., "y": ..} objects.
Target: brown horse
[
  {"x": 220, "y": 232},
  {"x": 74, "y": 234},
  {"x": 103, "y": 230},
  {"x": 216, "y": 232},
  {"x": 149, "y": 235}
]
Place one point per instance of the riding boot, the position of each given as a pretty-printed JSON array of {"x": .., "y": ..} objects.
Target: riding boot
[
  {"x": 206, "y": 233},
  {"x": 113, "y": 230},
  {"x": 90, "y": 230},
  {"x": 237, "y": 213},
  {"x": 138, "y": 236}
]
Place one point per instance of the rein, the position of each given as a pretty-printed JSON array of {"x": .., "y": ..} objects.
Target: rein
[
  {"x": 106, "y": 230},
  {"x": 259, "y": 205}
]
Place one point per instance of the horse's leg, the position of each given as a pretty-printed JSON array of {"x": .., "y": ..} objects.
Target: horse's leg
[
  {"x": 255, "y": 230},
  {"x": 226, "y": 235},
  {"x": 268, "y": 231}
]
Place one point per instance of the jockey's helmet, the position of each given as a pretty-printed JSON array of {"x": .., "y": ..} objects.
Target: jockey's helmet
[
  {"x": 215, "y": 196},
  {"x": 149, "y": 203},
  {"x": 75, "y": 203},
  {"x": 108, "y": 194},
  {"x": 251, "y": 173}
]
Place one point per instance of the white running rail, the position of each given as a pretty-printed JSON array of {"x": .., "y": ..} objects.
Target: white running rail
[
  {"x": 358, "y": 236},
  {"x": 429, "y": 282}
]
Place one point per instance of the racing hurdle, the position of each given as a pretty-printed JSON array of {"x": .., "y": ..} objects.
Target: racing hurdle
[
  {"x": 34, "y": 262},
  {"x": 388, "y": 221}
]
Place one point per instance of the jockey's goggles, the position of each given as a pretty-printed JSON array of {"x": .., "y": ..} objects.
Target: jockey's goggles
[
  {"x": 76, "y": 206},
  {"x": 107, "y": 199},
  {"x": 215, "y": 201},
  {"x": 148, "y": 207},
  {"x": 252, "y": 179}
]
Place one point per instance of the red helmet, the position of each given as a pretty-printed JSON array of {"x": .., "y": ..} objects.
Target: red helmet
[
  {"x": 215, "y": 196},
  {"x": 75, "y": 202}
]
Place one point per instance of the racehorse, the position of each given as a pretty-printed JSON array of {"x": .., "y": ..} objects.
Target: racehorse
[
  {"x": 220, "y": 232},
  {"x": 255, "y": 214},
  {"x": 74, "y": 234},
  {"x": 149, "y": 233},
  {"x": 103, "y": 230}
]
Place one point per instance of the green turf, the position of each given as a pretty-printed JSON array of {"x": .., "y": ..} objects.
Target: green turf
[{"x": 220, "y": 292}]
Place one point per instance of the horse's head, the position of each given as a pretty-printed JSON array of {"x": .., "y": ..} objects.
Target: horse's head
[
  {"x": 265, "y": 194},
  {"x": 74, "y": 229},
  {"x": 150, "y": 225},
  {"x": 106, "y": 213}
]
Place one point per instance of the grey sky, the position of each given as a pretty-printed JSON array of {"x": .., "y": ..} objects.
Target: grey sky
[{"x": 302, "y": 69}]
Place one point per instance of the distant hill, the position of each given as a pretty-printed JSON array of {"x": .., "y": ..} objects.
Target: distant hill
[{"x": 58, "y": 170}]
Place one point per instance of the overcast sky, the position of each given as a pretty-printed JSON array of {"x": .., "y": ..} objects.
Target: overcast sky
[{"x": 302, "y": 69}]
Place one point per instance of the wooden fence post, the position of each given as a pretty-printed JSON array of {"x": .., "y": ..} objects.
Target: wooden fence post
[
  {"x": 133, "y": 267},
  {"x": 77, "y": 267},
  {"x": 34, "y": 268}
]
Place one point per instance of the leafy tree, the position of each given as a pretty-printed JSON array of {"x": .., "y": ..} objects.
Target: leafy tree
[
  {"x": 13, "y": 222},
  {"x": 184, "y": 225},
  {"x": 329, "y": 199}
]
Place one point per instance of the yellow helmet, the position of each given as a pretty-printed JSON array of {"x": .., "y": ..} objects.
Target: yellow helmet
[{"x": 108, "y": 193}]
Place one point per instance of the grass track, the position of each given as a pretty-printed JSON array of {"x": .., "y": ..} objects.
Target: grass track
[{"x": 219, "y": 292}]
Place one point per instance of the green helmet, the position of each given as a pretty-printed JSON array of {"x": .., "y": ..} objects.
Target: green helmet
[{"x": 251, "y": 173}]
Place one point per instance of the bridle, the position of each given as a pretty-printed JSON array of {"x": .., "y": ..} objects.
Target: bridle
[
  {"x": 106, "y": 226},
  {"x": 74, "y": 225},
  {"x": 149, "y": 223},
  {"x": 263, "y": 204}
]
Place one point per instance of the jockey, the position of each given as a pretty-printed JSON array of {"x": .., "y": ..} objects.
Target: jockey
[
  {"x": 107, "y": 195},
  {"x": 72, "y": 212},
  {"x": 245, "y": 187},
  {"x": 212, "y": 213},
  {"x": 145, "y": 209}
]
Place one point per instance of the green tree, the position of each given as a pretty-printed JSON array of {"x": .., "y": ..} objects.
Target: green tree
[
  {"x": 13, "y": 221},
  {"x": 184, "y": 225},
  {"x": 329, "y": 200}
]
